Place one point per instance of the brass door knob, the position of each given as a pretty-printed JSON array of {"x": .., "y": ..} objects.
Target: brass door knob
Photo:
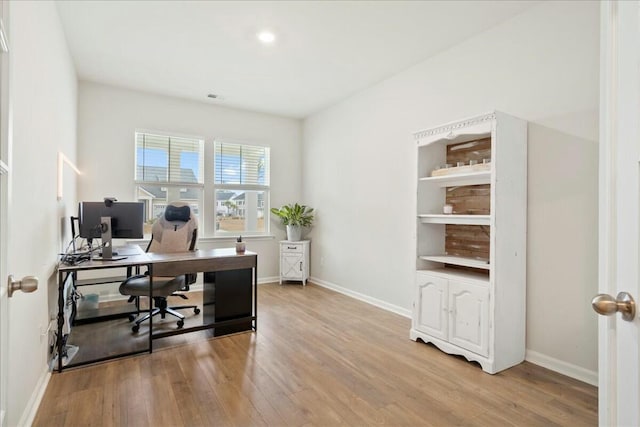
[
  {"x": 606, "y": 305},
  {"x": 27, "y": 284}
]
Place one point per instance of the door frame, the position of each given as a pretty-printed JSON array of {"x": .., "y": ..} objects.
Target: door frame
[
  {"x": 606, "y": 213},
  {"x": 5, "y": 200},
  {"x": 618, "y": 352}
]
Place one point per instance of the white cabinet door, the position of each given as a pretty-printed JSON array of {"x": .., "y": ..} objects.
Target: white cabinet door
[
  {"x": 430, "y": 315},
  {"x": 469, "y": 317},
  {"x": 291, "y": 265}
]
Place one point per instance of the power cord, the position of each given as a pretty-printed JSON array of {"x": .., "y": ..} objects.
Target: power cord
[{"x": 75, "y": 258}]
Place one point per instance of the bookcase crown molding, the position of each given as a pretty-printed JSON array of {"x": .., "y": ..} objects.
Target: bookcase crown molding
[{"x": 450, "y": 127}]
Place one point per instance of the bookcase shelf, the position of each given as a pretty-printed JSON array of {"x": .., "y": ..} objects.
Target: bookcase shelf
[
  {"x": 455, "y": 219},
  {"x": 482, "y": 264},
  {"x": 471, "y": 178}
]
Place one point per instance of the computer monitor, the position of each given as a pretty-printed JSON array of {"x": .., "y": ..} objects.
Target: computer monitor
[{"x": 110, "y": 219}]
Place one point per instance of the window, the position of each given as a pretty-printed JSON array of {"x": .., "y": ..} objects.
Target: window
[
  {"x": 168, "y": 168},
  {"x": 227, "y": 184},
  {"x": 241, "y": 181}
]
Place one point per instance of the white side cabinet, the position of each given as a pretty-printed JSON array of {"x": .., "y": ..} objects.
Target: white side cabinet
[
  {"x": 294, "y": 261},
  {"x": 471, "y": 223}
]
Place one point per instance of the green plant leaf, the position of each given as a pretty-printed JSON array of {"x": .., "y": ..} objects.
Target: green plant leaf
[{"x": 294, "y": 214}]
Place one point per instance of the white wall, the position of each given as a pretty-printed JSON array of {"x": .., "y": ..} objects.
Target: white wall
[
  {"x": 541, "y": 66},
  {"x": 109, "y": 116},
  {"x": 43, "y": 93}
]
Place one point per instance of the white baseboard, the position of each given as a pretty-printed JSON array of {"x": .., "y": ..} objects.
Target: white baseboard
[
  {"x": 263, "y": 280},
  {"x": 564, "y": 368},
  {"x": 31, "y": 410},
  {"x": 373, "y": 301}
]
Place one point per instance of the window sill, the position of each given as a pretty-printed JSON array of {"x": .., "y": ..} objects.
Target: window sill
[
  {"x": 234, "y": 237},
  {"x": 210, "y": 239}
]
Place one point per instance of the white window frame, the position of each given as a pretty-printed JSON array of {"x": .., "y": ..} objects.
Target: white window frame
[{"x": 211, "y": 187}]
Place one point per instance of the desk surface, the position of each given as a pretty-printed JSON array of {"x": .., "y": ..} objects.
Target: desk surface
[
  {"x": 174, "y": 264},
  {"x": 223, "y": 255},
  {"x": 197, "y": 254}
]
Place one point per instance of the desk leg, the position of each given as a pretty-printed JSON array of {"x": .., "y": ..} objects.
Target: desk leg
[
  {"x": 255, "y": 296},
  {"x": 59, "y": 340},
  {"x": 150, "y": 270}
]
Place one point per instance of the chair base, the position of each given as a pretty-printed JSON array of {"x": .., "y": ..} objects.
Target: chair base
[{"x": 161, "y": 308}]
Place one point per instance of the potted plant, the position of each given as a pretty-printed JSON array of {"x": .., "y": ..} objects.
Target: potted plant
[
  {"x": 240, "y": 247},
  {"x": 294, "y": 217}
]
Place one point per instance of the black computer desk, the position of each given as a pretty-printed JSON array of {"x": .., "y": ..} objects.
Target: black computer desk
[{"x": 230, "y": 297}]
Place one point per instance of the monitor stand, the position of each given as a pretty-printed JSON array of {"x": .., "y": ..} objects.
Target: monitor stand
[{"x": 107, "y": 247}]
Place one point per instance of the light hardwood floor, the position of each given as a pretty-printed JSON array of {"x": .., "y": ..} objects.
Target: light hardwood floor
[{"x": 318, "y": 358}]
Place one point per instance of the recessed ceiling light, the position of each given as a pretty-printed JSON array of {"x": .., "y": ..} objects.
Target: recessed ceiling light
[{"x": 266, "y": 37}]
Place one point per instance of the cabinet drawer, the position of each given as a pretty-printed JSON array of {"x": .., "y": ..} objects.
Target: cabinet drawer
[{"x": 292, "y": 247}]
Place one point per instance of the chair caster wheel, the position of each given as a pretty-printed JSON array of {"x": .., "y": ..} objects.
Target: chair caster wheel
[
  {"x": 135, "y": 328},
  {"x": 180, "y": 324},
  {"x": 132, "y": 318},
  {"x": 196, "y": 310}
]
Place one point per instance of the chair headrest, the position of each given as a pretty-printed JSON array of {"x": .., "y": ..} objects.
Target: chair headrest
[{"x": 177, "y": 213}]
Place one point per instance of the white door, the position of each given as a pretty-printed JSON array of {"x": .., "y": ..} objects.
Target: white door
[
  {"x": 619, "y": 213},
  {"x": 4, "y": 209}
]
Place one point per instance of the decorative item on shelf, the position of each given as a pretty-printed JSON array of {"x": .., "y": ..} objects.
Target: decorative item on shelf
[
  {"x": 462, "y": 169},
  {"x": 447, "y": 209},
  {"x": 240, "y": 246},
  {"x": 294, "y": 217},
  {"x": 440, "y": 167}
]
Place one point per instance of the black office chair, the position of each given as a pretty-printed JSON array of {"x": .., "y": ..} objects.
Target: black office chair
[{"x": 175, "y": 231}]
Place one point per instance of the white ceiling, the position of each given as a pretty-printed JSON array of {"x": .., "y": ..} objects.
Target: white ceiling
[{"x": 325, "y": 50}]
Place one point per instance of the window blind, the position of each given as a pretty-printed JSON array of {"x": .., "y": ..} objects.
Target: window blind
[
  {"x": 162, "y": 158},
  {"x": 241, "y": 164}
]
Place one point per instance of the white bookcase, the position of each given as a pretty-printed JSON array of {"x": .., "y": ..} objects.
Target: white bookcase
[{"x": 471, "y": 264}]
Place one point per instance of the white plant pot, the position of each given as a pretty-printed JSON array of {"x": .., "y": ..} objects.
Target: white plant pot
[{"x": 294, "y": 233}]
